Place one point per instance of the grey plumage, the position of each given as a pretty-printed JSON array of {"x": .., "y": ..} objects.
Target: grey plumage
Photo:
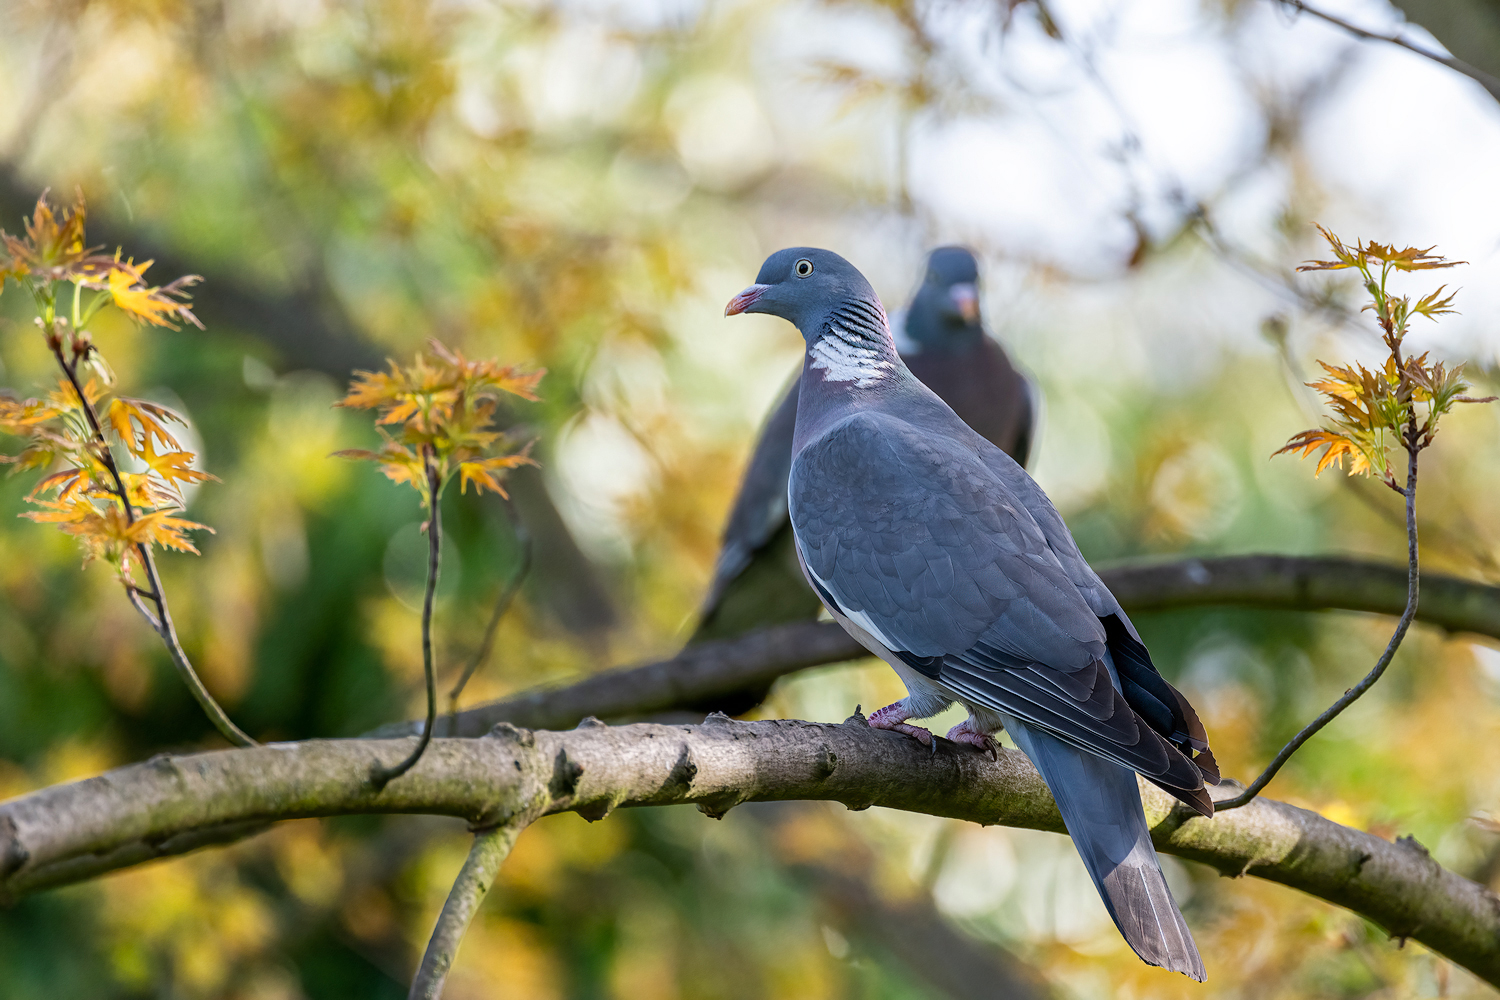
[
  {"x": 756, "y": 578},
  {"x": 943, "y": 557}
]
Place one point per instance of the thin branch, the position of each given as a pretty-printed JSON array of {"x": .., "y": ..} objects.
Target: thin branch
[
  {"x": 70, "y": 832},
  {"x": 380, "y": 775},
  {"x": 1485, "y": 80},
  {"x": 706, "y": 671},
  {"x": 161, "y": 621},
  {"x": 1413, "y": 581},
  {"x": 474, "y": 880},
  {"x": 502, "y": 605}
]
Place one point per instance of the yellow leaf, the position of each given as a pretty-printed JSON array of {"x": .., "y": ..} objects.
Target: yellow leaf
[
  {"x": 155, "y": 306},
  {"x": 151, "y": 417},
  {"x": 173, "y": 466}
]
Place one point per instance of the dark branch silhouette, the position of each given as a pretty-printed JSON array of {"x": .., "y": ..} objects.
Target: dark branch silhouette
[{"x": 710, "y": 670}]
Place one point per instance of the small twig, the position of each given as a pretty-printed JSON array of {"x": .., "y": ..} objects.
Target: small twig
[
  {"x": 469, "y": 889},
  {"x": 380, "y": 775},
  {"x": 1485, "y": 80},
  {"x": 1353, "y": 694},
  {"x": 502, "y": 605},
  {"x": 161, "y": 621}
]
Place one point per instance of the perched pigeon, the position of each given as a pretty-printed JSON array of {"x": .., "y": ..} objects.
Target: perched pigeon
[
  {"x": 756, "y": 580},
  {"x": 938, "y": 552}
]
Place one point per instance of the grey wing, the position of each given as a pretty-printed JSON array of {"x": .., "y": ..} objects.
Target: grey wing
[
  {"x": 914, "y": 538},
  {"x": 1059, "y": 539},
  {"x": 1165, "y": 708},
  {"x": 760, "y": 508}
]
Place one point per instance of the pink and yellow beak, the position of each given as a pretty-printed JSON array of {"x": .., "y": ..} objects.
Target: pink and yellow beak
[
  {"x": 965, "y": 299},
  {"x": 743, "y": 301}
]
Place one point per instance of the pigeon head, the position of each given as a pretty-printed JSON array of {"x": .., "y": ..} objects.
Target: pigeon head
[
  {"x": 804, "y": 286},
  {"x": 945, "y": 312}
]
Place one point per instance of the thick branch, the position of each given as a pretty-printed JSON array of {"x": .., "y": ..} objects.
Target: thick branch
[
  {"x": 68, "y": 832},
  {"x": 709, "y": 670}
]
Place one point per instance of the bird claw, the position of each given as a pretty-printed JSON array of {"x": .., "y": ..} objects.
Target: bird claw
[
  {"x": 917, "y": 733},
  {"x": 893, "y": 717},
  {"x": 965, "y": 732}
]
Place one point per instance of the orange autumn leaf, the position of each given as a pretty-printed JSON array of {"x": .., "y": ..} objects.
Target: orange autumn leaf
[
  {"x": 442, "y": 408},
  {"x": 1337, "y": 447}
]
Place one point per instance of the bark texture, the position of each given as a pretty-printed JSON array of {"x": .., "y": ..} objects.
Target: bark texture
[{"x": 170, "y": 804}]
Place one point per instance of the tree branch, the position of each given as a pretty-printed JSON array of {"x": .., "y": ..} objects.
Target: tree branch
[
  {"x": 474, "y": 880},
  {"x": 1485, "y": 80},
  {"x": 69, "y": 832},
  {"x": 709, "y": 670}
]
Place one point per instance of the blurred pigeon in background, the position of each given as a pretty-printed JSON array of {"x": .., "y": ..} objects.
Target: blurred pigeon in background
[
  {"x": 756, "y": 580},
  {"x": 939, "y": 554}
]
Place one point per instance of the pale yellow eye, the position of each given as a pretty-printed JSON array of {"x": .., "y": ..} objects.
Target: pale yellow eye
[{"x": 804, "y": 268}]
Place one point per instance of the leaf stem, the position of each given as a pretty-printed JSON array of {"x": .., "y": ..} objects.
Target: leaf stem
[
  {"x": 380, "y": 775},
  {"x": 161, "y": 621},
  {"x": 1353, "y": 694}
]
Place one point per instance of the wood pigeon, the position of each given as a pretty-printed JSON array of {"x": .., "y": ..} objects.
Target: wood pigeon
[
  {"x": 939, "y": 554},
  {"x": 756, "y": 579}
]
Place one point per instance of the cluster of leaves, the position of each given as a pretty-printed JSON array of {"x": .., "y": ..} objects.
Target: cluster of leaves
[
  {"x": 115, "y": 513},
  {"x": 1373, "y": 409},
  {"x": 54, "y": 252},
  {"x": 444, "y": 407}
]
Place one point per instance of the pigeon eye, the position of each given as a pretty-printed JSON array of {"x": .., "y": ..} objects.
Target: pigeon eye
[{"x": 803, "y": 268}]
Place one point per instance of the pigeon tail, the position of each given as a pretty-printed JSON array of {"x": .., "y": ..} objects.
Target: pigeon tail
[{"x": 1101, "y": 807}]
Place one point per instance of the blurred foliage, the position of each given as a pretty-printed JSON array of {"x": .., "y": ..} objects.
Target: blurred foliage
[{"x": 579, "y": 186}]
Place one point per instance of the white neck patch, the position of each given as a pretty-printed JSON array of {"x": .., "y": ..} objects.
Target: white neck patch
[{"x": 845, "y": 356}]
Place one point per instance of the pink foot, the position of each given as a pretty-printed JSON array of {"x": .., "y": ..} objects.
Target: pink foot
[
  {"x": 894, "y": 717},
  {"x": 966, "y": 732}
]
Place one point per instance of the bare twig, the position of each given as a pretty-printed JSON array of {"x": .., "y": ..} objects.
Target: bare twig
[
  {"x": 81, "y": 830},
  {"x": 1413, "y": 438},
  {"x": 1485, "y": 80},
  {"x": 474, "y": 880},
  {"x": 161, "y": 622},
  {"x": 380, "y": 775},
  {"x": 1353, "y": 694},
  {"x": 502, "y": 605}
]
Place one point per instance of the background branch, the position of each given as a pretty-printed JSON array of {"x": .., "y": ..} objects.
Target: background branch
[
  {"x": 502, "y": 605},
  {"x": 1485, "y": 80},
  {"x": 60, "y": 834},
  {"x": 709, "y": 670}
]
